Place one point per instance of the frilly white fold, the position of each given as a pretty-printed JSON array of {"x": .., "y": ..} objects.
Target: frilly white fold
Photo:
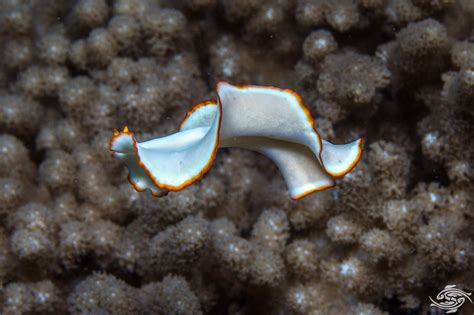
[{"x": 268, "y": 120}]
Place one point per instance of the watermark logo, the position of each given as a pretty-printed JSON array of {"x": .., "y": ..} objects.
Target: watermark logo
[{"x": 450, "y": 298}]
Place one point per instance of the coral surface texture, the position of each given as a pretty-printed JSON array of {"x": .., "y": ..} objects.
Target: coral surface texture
[{"x": 76, "y": 238}]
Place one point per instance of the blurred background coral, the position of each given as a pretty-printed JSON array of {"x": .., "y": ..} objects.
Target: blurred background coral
[{"x": 75, "y": 238}]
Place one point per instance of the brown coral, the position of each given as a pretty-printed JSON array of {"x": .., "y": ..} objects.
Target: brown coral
[{"x": 76, "y": 238}]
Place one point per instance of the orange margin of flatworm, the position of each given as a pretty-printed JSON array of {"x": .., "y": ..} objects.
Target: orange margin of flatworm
[
  {"x": 354, "y": 163},
  {"x": 195, "y": 108},
  {"x": 337, "y": 175},
  {"x": 135, "y": 186},
  {"x": 347, "y": 170},
  {"x": 150, "y": 175},
  {"x": 308, "y": 192}
]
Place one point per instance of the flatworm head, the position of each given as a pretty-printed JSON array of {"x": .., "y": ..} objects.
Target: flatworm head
[{"x": 173, "y": 162}]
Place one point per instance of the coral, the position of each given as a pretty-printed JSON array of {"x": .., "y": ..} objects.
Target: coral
[
  {"x": 125, "y": 30},
  {"x": 311, "y": 13},
  {"x": 31, "y": 245},
  {"x": 101, "y": 46},
  {"x": 12, "y": 194},
  {"x": 426, "y": 39},
  {"x": 6, "y": 258},
  {"x": 132, "y": 7},
  {"x": 142, "y": 103},
  {"x": 170, "y": 296},
  {"x": 76, "y": 238},
  {"x": 269, "y": 18},
  {"x": 380, "y": 244},
  {"x": 271, "y": 229},
  {"x": 390, "y": 162},
  {"x": 309, "y": 212},
  {"x": 251, "y": 262},
  {"x": 302, "y": 259},
  {"x": 41, "y": 81},
  {"x": 312, "y": 298},
  {"x": 267, "y": 268},
  {"x": 367, "y": 309},
  {"x": 14, "y": 159},
  {"x": 423, "y": 37},
  {"x": 73, "y": 242},
  {"x": 90, "y": 13},
  {"x": 163, "y": 22},
  {"x": 120, "y": 71},
  {"x": 398, "y": 215},
  {"x": 65, "y": 207},
  {"x": 76, "y": 95},
  {"x": 234, "y": 253},
  {"x": 235, "y": 10},
  {"x": 78, "y": 53},
  {"x": 17, "y": 53},
  {"x": 351, "y": 79},
  {"x": 227, "y": 61},
  {"x": 19, "y": 115},
  {"x": 104, "y": 237},
  {"x": 318, "y": 45},
  {"x": 461, "y": 53},
  {"x": 58, "y": 170},
  {"x": 16, "y": 18},
  {"x": 174, "y": 208},
  {"x": 66, "y": 132},
  {"x": 54, "y": 48},
  {"x": 178, "y": 246},
  {"x": 352, "y": 273},
  {"x": 38, "y": 297},
  {"x": 343, "y": 228},
  {"x": 341, "y": 15},
  {"x": 400, "y": 12},
  {"x": 103, "y": 293}
]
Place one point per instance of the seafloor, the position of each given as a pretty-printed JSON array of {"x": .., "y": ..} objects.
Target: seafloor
[{"x": 75, "y": 238}]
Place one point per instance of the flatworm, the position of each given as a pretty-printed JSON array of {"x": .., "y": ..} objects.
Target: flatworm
[{"x": 269, "y": 120}]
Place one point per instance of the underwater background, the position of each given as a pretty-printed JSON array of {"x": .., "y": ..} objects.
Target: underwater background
[{"x": 76, "y": 238}]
